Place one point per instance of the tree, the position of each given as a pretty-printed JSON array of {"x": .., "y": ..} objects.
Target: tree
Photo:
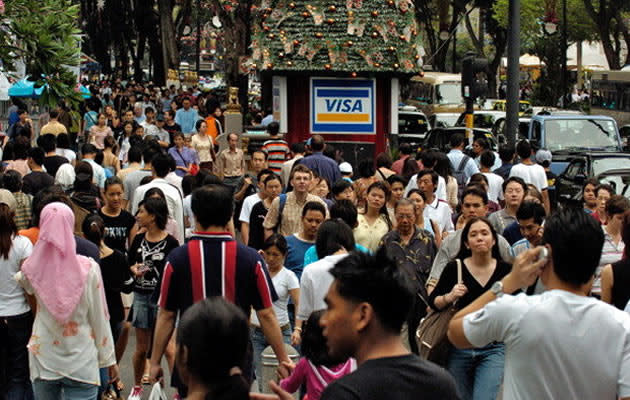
[
  {"x": 610, "y": 24},
  {"x": 44, "y": 35}
]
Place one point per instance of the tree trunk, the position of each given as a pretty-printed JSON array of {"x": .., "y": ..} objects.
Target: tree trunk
[
  {"x": 137, "y": 60},
  {"x": 602, "y": 20},
  {"x": 167, "y": 35}
]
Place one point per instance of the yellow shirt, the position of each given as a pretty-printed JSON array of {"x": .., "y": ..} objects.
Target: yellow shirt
[
  {"x": 369, "y": 236},
  {"x": 53, "y": 127}
]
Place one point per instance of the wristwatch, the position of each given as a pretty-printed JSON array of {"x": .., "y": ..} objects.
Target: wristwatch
[{"x": 497, "y": 289}]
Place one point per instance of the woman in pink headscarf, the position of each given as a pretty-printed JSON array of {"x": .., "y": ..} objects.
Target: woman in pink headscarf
[{"x": 71, "y": 337}]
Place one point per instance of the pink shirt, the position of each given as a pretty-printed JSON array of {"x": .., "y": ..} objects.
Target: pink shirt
[{"x": 316, "y": 378}]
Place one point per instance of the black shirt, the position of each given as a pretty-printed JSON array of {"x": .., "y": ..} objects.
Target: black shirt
[
  {"x": 115, "y": 273},
  {"x": 621, "y": 283},
  {"x": 36, "y": 181},
  {"x": 52, "y": 164},
  {"x": 448, "y": 279},
  {"x": 171, "y": 129},
  {"x": 394, "y": 378},
  {"x": 256, "y": 229},
  {"x": 117, "y": 229},
  {"x": 152, "y": 255}
]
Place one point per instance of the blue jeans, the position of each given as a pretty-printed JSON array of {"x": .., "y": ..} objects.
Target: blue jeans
[
  {"x": 259, "y": 344},
  {"x": 15, "y": 332},
  {"x": 478, "y": 372},
  {"x": 72, "y": 390}
]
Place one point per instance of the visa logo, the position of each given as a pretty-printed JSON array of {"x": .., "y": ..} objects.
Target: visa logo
[{"x": 344, "y": 106}]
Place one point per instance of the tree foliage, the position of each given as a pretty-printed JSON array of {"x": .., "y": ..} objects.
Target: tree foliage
[{"x": 44, "y": 35}]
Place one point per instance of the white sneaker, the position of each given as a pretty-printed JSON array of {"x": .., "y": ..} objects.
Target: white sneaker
[{"x": 136, "y": 393}]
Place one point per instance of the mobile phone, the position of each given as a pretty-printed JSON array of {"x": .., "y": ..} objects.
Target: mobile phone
[
  {"x": 543, "y": 254},
  {"x": 142, "y": 269}
]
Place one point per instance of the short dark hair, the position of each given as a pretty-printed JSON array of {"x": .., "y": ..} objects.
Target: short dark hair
[
  {"x": 434, "y": 176},
  {"x": 475, "y": 191},
  {"x": 161, "y": 163},
  {"x": 261, "y": 151},
  {"x": 264, "y": 172},
  {"x": 617, "y": 204},
  {"x": 88, "y": 148},
  {"x": 276, "y": 240},
  {"x": 53, "y": 114},
  {"x": 576, "y": 241},
  {"x": 428, "y": 159},
  {"x": 516, "y": 179},
  {"x": 590, "y": 181},
  {"x": 317, "y": 143},
  {"x": 134, "y": 154},
  {"x": 524, "y": 149},
  {"x": 457, "y": 140},
  {"x": 487, "y": 159},
  {"x": 313, "y": 206},
  {"x": 377, "y": 280},
  {"x": 149, "y": 110},
  {"x": 273, "y": 128},
  {"x": 63, "y": 141},
  {"x": 48, "y": 142},
  {"x": 47, "y": 195},
  {"x": 332, "y": 236},
  {"x": 339, "y": 186},
  {"x": 366, "y": 168},
  {"x": 531, "y": 209},
  {"x": 212, "y": 205},
  {"x": 405, "y": 148},
  {"x": 113, "y": 180},
  {"x": 298, "y": 148},
  {"x": 346, "y": 211},
  {"x": 606, "y": 187},
  {"x": 37, "y": 155},
  {"x": 148, "y": 153},
  {"x": 158, "y": 208},
  {"x": 272, "y": 177},
  {"x": 12, "y": 181},
  {"x": 383, "y": 160},
  {"x": 506, "y": 153},
  {"x": 396, "y": 179}
]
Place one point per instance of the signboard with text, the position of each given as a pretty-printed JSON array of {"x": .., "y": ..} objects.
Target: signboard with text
[{"x": 343, "y": 106}]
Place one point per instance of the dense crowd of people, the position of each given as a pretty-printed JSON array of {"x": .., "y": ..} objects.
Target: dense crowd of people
[{"x": 134, "y": 217}]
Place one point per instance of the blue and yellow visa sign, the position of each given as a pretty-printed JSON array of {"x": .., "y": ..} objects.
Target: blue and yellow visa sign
[{"x": 343, "y": 106}]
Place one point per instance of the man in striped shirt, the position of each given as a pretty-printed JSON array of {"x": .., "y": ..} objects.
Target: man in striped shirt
[
  {"x": 212, "y": 263},
  {"x": 277, "y": 149}
]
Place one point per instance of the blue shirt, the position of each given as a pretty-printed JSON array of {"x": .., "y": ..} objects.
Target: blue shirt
[
  {"x": 187, "y": 119},
  {"x": 311, "y": 254},
  {"x": 324, "y": 166},
  {"x": 140, "y": 119},
  {"x": 295, "y": 255},
  {"x": 455, "y": 156},
  {"x": 183, "y": 158},
  {"x": 90, "y": 118}
]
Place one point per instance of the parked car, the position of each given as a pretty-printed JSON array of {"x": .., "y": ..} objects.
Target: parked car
[
  {"x": 587, "y": 165},
  {"x": 413, "y": 126},
  {"x": 443, "y": 119},
  {"x": 439, "y": 138},
  {"x": 568, "y": 136},
  {"x": 624, "y": 132},
  {"x": 501, "y": 105}
]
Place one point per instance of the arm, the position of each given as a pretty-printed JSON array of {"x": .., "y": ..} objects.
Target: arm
[
  {"x": 524, "y": 272},
  {"x": 271, "y": 220},
  {"x": 245, "y": 232},
  {"x": 247, "y": 182},
  {"x": 297, "y": 378},
  {"x": 441, "y": 259},
  {"x": 546, "y": 204},
  {"x": 607, "y": 283},
  {"x": 164, "y": 328}
]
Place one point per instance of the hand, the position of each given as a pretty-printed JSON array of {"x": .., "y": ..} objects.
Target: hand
[
  {"x": 114, "y": 373},
  {"x": 458, "y": 291},
  {"x": 248, "y": 181},
  {"x": 156, "y": 373},
  {"x": 285, "y": 369},
  {"x": 525, "y": 269},
  {"x": 280, "y": 394},
  {"x": 296, "y": 338},
  {"x": 135, "y": 269}
]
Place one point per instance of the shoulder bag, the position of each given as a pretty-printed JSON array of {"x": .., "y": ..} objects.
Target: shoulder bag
[{"x": 433, "y": 344}]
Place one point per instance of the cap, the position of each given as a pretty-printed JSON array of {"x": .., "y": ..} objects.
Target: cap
[
  {"x": 7, "y": 198},
  {"x": 160, "y": 117},
  {"x": 543, "y": 155},
  {"x": 345, "y": 168}
]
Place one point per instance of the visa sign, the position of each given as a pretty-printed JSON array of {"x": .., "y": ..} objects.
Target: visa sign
[{"x": 341, "y": 106}]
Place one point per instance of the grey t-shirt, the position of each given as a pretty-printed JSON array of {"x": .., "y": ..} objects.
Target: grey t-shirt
[{"x": 132, "y": 181}]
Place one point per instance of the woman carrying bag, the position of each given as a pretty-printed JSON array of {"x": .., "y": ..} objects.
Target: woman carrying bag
[{"x": 478, "y": 372}]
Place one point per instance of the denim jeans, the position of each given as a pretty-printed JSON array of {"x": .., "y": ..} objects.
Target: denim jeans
[
  {"x": 15, "y": 333},
  {"x": 259, "y": 344},
  {"x": 478, "y": 372},
  {"x": 66, "y": 389}
]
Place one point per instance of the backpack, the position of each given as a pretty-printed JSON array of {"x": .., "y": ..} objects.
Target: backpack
[
  {"x": 460, "y": 175},
  {"x": 283, "y": 202}
]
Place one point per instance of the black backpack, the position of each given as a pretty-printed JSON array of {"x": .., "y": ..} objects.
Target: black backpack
[{"x": 460, "y": 175}]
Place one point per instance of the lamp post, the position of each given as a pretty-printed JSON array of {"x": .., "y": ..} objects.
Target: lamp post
[
  {"x": 564, "y": 54},
  {"x": 198, "y": 44},
  {"x": 513, "y": 73}
]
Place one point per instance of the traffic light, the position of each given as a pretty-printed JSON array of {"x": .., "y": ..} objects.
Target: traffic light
[{"x": 474, "y": 76}]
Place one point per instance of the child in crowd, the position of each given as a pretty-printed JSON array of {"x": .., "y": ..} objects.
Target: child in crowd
[{"x": 316, "y": 368}]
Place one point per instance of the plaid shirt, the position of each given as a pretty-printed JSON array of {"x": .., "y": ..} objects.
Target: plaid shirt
[{"x": 23, "y": 212}]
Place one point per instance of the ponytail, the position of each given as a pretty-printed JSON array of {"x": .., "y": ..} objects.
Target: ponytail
[{"x": 93, "y": 228}]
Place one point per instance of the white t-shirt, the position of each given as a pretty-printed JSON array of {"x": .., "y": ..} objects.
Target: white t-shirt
[
  {"x": 315, "y": 282},
  {"x": 534, "y": 174},
  {"x": 248, "y": 203},
  {"x": 12, "y": 300},
  {"x": 440, "y": 212},
  {"x": 284, "y": 281},
  {"x": 558, "y": 345},
  {"x": 189, "y": 214},
  {"x": 69, "y": 154},
  {"x": 495, "y": 186},
  {"x": 440, "y": 192}
]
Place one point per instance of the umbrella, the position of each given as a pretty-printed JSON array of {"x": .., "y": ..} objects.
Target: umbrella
[{"x": 25, "y": 88}]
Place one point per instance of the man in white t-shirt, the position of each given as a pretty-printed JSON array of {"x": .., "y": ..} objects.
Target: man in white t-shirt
[
  {"x": 561, "y": 344},
  {"x": 250, "y": 201},
  {"x": 435, "y": 209},
  {"x": 495, "y": 182},
  {"x": 531, "y": 172}
]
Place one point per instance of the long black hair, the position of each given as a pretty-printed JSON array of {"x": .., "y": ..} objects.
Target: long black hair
[{"x": 313, "y": 345}]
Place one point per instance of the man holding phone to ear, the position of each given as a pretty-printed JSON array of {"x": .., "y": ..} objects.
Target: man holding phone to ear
[{"x": 561, "y": 344}]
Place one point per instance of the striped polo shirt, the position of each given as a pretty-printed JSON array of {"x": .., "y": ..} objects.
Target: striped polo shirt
[
  {"x": 214, "y": 264},
  {"x": 277, "y": 153}
]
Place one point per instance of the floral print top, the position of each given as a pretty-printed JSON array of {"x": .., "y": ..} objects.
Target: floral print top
[{"x": 78, "y": 348}]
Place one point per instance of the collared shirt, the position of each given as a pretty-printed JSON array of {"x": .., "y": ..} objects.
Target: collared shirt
[
  {"x": 231, "y": 163},
  {"x": 414, "y": 258},
  {"x": 370, "y": 235},
  {"x": 455, "y": 156},
  {"x": 501, "y": 220},
  {"x": 187, "y": 119},
  {"x": 174, "y": 200},
  {"x": 324, "y": 166},
  {"x": 440, "y": 212},
  {"x": 291, "y": 219},
  {"x": 214, "y": 264}
]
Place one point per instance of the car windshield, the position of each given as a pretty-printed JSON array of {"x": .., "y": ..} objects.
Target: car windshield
[
  {"x": 449, "y": 93},
  {"x": 445, "y": 120},
  {"x": 601, "y": 165},
  {"x": 412, "y": 123},
  {"x": 581, "y": 134}
]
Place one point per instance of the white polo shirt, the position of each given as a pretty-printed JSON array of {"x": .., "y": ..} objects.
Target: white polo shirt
[{"x": 440, "y": 212}]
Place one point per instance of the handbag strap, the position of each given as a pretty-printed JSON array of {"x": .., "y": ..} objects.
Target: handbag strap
[{"x": 459, "y": 271}]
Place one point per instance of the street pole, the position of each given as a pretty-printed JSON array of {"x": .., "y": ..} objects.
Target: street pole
[
  {"x": 565, "y": 95},
  {"x": 513, "y": 72},
  {"x": 198, "y": 49}
]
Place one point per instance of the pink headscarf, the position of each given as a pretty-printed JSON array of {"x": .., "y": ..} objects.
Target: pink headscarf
[{"x": 54, "y": 269}]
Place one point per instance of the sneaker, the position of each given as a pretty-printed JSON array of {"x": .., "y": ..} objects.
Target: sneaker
[{"x": 136, "y": 393}]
